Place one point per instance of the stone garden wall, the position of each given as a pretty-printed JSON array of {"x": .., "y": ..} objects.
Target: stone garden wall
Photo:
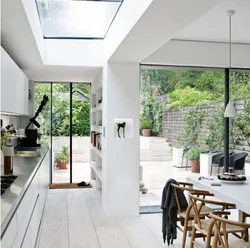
[{"x": 173, "y": 122}]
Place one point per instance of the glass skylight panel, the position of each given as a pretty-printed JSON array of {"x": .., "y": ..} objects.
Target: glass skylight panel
[{"x": 76, "y": 18}]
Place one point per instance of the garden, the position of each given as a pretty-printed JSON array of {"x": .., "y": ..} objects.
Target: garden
[{"x": 186, "y": 107}]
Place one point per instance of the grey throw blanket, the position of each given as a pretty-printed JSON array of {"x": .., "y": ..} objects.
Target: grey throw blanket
[{"x": 169, "y": 210}]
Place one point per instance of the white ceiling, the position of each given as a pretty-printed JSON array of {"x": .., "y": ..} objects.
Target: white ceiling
[{"x": 214, "y": 25}]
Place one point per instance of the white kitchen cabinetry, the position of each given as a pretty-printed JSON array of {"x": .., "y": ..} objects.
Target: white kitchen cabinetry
[
  {"x": 23, "y": 228},
  {"x": 14, "y": 87}
]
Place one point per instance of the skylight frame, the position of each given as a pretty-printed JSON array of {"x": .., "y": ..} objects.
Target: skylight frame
[{"x": 80, "y": 37}]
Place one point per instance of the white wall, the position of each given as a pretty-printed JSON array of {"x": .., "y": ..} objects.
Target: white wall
[
  {"x": 74, "y": 52},
  {"x": 121, "y": 99},
  {"x": 193, "y": 53}
]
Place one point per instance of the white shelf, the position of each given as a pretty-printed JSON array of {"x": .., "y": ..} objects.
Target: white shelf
[
  {"x": 97, "y": 169},
  {"x": 97, "y": 108},
  {"x": 97, "y": 151},
  {"x": 96, "y": 128}
]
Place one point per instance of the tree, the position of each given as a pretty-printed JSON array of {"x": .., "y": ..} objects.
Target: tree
[{"x": 60, "y": 117}]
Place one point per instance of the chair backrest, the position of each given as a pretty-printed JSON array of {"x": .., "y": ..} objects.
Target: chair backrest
[
  {"x": 220, "y": 228},
  {"x": 183, "y": 186},
  {"x": 199, "y": 201},
  {"x": 237, "y": 161},
  {"x": 216, "y": 158}
]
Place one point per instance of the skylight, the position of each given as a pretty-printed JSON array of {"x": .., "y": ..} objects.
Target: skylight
[{"x": 79, "y": 19}]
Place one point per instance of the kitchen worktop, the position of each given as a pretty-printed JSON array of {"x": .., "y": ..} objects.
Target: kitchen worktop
[{"x": 25, "y": 168}]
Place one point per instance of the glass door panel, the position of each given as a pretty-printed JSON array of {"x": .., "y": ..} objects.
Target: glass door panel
[
  {"x": 80, "y": 132},
  {"x": 60, "y": 132}
]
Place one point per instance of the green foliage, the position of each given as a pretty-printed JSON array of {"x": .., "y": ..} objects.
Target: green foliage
[
  {"x": 192, "y": 129},
  {"x": 151, "y": 108},
  {"x": 146, "y": 124},
  {"x": 215, "y": 125},
  {"x": 65, "y": 150},
  {"x": 242, "y": 122},
  {"x": 194, "y": 153},
  {"x": 188, "y": 97},
  {"x": 61, "y": 112},
  {"x": 61, "y": 157},
  {"x": 3, "y": 139}
]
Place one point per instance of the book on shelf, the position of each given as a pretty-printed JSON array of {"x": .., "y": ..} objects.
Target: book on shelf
[{"x": 96, "y": 140}]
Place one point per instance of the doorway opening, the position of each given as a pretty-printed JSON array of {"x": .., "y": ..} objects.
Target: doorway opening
[{"x": 65, "y": 127}]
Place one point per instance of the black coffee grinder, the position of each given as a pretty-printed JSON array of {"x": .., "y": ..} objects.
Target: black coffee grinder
[{"x": 32, "y": 134}]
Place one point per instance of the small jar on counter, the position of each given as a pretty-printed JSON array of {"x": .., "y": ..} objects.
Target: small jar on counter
[{"x": 8, "y": 152}]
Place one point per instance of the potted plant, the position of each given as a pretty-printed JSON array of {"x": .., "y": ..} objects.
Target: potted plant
[
  {"x": 61, "y": 161},
  {"x": 65, "y": 150},
  {"x": 146, "y": 126},
  {"x": 194, "y": 156}
]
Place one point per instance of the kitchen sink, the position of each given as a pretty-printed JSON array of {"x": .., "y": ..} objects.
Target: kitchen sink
[{"x": 27, "y": 153}]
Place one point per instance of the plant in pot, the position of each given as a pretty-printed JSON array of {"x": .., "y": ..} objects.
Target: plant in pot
[
  {"x": 65, "y": 150},
  {"x": 146, "y": 126},
  {"x": 61, "y": 161},
  {"x": 194, "y": 156}
]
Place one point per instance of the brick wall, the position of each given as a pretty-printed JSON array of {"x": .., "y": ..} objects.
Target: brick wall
[{"x": 173, "y": 122}]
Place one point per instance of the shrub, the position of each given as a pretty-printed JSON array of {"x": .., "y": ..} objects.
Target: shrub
[
  {"x": 146, "y": 124},
  {"x": 188, "y": 97},
  {"x": 194, "y": 153},
  {"x": 60, "y": 157}
]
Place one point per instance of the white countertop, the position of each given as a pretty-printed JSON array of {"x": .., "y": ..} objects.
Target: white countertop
[
  {"x": 25, "y": 168},
  {"x": 234, "y": 193}
]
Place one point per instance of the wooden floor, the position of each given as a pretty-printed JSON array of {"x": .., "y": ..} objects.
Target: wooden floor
[{"x": 73, "y": 218}]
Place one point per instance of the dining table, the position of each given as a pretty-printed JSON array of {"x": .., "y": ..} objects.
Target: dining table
[{"x": 236, "y": 193}]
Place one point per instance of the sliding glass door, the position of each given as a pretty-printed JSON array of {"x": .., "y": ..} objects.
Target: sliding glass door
[{"x": 67, "y": 127}]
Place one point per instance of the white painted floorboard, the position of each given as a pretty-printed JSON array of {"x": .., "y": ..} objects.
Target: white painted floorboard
[{"x": 74, "y": 218}]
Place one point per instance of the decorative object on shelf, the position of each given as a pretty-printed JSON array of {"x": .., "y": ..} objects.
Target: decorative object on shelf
[
  {"x": 100, "y": 123},
  {"x": 146, "y": 126},
  {"x": 194, "y": 156},
  {"x": 100, "y": 101},
  {"x": 121, "y": 125},
  {"x": 61, "y": 161}
]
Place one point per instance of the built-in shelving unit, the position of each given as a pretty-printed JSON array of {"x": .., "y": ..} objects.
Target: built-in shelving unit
[{"x": 96, "y": 140}]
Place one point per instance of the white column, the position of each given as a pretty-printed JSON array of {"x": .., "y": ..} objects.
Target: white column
[{"x": 121, "y": 100}]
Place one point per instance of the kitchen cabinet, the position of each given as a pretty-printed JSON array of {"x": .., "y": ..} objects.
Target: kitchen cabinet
[
  {"x": 24, "y": 226},
  {"x": 14, "y": 87}
]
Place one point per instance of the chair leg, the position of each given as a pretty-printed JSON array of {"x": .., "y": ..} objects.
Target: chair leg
[
  {"x": 211, "y": 170},
  {"x": 184, "y": 237},
  {"x": 192, "y": 237}
]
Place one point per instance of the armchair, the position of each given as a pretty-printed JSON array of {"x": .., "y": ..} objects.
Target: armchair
[{"x": 237, "y": 160}]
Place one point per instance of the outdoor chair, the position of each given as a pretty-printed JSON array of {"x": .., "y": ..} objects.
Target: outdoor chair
[
  {"x": 222, "y": 227},
  {"x": 205, "y": 227},
  {"x": 187, "y": 215},
  {"x": 217, "y": 162},
  {"x": 237, "y": 160}
]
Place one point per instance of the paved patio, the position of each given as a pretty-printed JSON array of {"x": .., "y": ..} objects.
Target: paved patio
[{"x": 155, "y": 173}]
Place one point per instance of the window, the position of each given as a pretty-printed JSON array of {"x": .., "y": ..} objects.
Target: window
[{"x": 79, "y": 19}]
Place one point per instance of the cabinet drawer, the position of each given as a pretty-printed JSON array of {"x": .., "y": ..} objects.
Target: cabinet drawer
[
  {"x": 10, "y": 234},
  {"x": 27, "y": 203},
  {"x": 25, "y": 222}
]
